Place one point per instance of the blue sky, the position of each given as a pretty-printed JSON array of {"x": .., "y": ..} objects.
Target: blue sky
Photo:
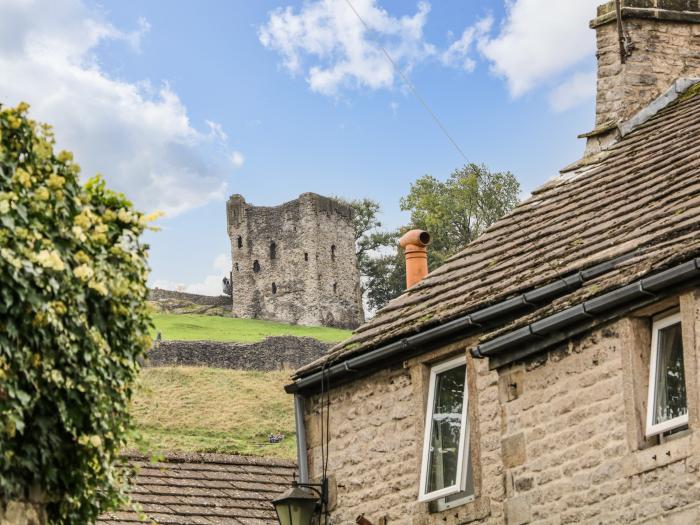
[{"x": 181, "y": 103}]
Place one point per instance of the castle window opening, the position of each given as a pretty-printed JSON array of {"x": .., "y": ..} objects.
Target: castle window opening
[
  {"x": 274, "y": 288},
  {"x": 335, "y": 287},
  {"x": 273, "y": 250},
  {"x": 236, "y": 267},
  {"x": 306, "y": 256},
  {"x": 333, "y": 252},
  {"x": 256, "y": 266},
  {"x": 240, "y": 241}
]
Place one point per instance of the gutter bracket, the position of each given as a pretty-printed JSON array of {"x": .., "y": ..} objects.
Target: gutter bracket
[
  {"x": 528, "y": 303},
  {"x": 533, "y": 334},
  {"x": 645, "y": 292},
  {"x": 471, "y": 322},
  {"x": 585, "y": 312}
]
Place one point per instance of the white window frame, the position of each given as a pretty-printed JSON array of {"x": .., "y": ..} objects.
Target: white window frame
[
  {"x": 441, "y": 504},
  {"x": 654, "y": 429},
  {"x": 463, "y": 436}
]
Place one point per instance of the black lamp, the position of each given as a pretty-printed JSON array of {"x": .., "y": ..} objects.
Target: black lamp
[{"x": 297, "y": 506}]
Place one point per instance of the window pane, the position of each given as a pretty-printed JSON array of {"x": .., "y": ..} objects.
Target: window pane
[
  {"x": 469, "y": 486},
  {"x": 670, "y": 399},
  {"x": 445, "y": 428}
]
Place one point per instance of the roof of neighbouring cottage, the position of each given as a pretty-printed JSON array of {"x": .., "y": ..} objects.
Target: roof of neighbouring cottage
[
  {"x": 206, "y": 489},
  {"x": 640, "y": 197}
]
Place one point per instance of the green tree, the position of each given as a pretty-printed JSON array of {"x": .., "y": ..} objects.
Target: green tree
[
  {"x": 386, "y": 278},
  {"x": 369, "y": 236},
  {"x": 455, "y": 212},
  {"x": 458, "y": 210},
  {"x": 370, "y": 240},
  {"x": 73, "y": 324}
]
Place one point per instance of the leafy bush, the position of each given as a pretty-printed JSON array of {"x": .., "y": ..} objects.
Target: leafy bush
[{"x": 73, "y": 323}]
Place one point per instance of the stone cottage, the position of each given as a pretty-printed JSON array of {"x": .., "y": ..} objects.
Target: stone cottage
[{"x": 548, "y": 373}]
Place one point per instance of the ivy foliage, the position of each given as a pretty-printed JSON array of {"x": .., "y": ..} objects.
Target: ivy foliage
[{"x": 73, "y": 324}]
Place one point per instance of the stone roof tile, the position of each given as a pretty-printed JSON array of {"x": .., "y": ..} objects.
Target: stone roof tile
[
  {"x": 641, "y": 196},
  {"x": 203, "y": 489}
]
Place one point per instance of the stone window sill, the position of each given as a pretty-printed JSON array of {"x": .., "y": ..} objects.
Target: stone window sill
[{"x": 651, "y": 458}]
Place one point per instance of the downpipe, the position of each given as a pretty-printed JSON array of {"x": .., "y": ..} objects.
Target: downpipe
[{"x": 302, "y": 458}]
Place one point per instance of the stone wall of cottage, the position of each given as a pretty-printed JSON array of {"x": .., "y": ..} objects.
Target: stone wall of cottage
[
  {"x": 376, "y": 433},
  {"x": 558, "y": 437},
  {"x": 571, "y": 435}
]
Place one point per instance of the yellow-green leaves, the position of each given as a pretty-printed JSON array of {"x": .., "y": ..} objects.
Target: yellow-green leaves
[{"x": 73, "y": 324}]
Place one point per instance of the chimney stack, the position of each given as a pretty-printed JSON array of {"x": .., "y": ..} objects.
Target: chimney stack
[
  {"x": 414, "y": 244},
  {"x": 644, "y": 46}
]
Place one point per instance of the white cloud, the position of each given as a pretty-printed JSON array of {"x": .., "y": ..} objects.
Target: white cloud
[
  {"x": 210, "y": 285},
  {"x": 237, "y": 159},
  {"x": 539, "y": 40},
  {"x": 344, "y": 53},
  {"x": 459, "y": 52},
  {"x": 576, "y": 89},
  {"x": 138, "y": 136},
  {"x": 538, "y": 43},
  {"x": 216, "y": 130}
]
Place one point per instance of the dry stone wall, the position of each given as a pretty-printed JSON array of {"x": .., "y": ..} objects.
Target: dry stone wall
[
  {"x": 273, "y": 353},
  {"x": 295, "y": 262}
]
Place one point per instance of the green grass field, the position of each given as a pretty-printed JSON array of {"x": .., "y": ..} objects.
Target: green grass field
[
  {"x": 189, "y": 327},
  {"x": 213, "y": 410}
]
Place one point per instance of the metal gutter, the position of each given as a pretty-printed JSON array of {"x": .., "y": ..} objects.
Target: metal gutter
[
  {"x": 646, "y": 288},
  {"x": 407, "y": 346}
]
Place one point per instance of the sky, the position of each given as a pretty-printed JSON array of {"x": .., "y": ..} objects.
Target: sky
[{"x": 180, "y": 104}]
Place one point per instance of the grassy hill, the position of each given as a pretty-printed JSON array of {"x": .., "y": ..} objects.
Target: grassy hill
[
  {"x": 214, "y": 410},
  {"x": 189, "y": 327}
]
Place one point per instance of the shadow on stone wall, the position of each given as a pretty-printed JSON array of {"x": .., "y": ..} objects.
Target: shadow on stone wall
[{"x": 274, "y": 353}]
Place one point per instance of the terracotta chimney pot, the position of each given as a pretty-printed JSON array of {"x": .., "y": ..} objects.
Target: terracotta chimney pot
[{"x": 414, "y": 244}]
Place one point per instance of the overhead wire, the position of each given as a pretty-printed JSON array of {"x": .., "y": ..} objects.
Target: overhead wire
[{"x": 411, "y": 86}]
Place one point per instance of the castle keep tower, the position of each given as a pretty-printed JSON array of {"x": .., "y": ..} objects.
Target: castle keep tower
[{"x": 295, "y": 262}]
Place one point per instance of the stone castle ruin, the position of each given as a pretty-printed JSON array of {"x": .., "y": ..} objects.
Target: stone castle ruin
[{"x": 295, "y": 262}]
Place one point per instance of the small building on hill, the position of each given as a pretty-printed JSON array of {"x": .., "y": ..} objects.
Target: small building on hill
[
  {"x": 547, "y": 373},
  {"x": 295, "y": 262},
  {"x": 212, "y": 489}
]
